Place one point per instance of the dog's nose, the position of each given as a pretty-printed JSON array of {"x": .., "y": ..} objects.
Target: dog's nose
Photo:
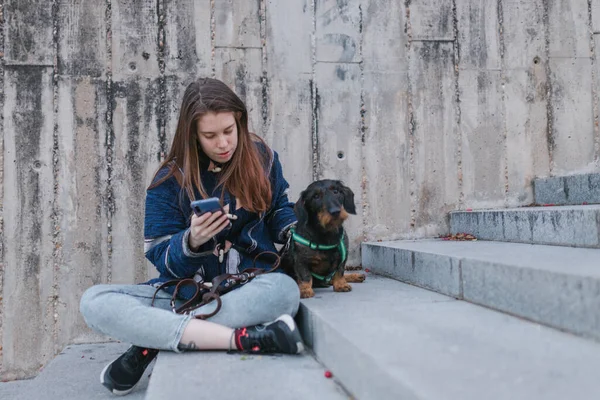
[{"x": 335, "y": 212}]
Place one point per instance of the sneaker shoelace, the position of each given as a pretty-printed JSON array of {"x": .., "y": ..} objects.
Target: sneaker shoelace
[
  {"x": 134, "y": 358},
  {"x": 263, "y": 340}
]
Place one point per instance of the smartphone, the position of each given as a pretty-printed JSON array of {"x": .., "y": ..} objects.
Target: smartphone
[{"x": 206, "y": 205}]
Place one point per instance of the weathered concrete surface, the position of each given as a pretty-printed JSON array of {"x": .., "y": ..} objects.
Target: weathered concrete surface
[
  {"x": 233, "y": 376},
  {"x": 483, "y": 156},
  {"x": 408, "y": 261},
  {"x": 241, "y": 69},
  {"x": 12, "y": 389},
  {"x": 338, "y": 108},
  {"x": 239, "y": 55},
  {"x": 81, "y": 248},
  {"x": 28, "y": 31},
  {"x": 29, "y": 271},
  {"x": 133, "y": 144},
  {"x": 558, "y": 287},
  {"x": 387, "y": 142},
  {"x": 577, "y": 226},
  {"x": 566, "y": 190},
  {"x": 525, "y": 98},
  {"x": 432, "y": 21},
  {"x": 434, "y": 347},
  {"x": 570, "y": 66},
  {"x": 187, "y": 55},
  {"x": 1, "y": 170},
  {"x": 290, "y": 90},
  {"x": 435, "y": 147},
  {"x": 75, "y": 374}
]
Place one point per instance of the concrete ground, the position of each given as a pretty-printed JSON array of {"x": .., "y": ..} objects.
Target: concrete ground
[{"x": 73, "y": 374}]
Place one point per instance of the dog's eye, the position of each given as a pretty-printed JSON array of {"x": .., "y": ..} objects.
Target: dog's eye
[
  {"x": 316, "y": 196},
  {"x": 335, "y": 191}
]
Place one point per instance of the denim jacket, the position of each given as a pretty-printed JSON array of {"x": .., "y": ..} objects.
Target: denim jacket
[{"x": 167, "y": 228}]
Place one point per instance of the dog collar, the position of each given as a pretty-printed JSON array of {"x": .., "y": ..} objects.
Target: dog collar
[{"x": 315, "y": 246}]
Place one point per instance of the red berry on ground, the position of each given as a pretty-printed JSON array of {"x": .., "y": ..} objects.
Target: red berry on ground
[
  {"x": 367, "y": 270},
  {"x": 328, "y": 374}
]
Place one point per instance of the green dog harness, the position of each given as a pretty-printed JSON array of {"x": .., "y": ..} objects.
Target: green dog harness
[{"x": 341, "y": 246}]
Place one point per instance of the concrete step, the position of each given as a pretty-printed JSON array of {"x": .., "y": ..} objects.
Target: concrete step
[
  {"x": 75, "y": 374},
  {"x": 12, "y": 389},
  {"x": 555, "y": 286},
  {"x": 577, "y": 226},
  {"x": 217, "y": 375},
  {"x": 564, "y": 190},
  {"x": 389, "y": 340}
]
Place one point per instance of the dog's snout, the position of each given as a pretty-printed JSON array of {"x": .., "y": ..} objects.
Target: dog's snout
[{"x": 335, "y": 211}]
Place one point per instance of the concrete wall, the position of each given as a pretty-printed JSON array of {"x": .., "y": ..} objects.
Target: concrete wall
[{"x": 421, "y": 107}]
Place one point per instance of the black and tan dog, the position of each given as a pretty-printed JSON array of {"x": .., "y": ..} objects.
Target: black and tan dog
[{"x": 318, "y": 249}]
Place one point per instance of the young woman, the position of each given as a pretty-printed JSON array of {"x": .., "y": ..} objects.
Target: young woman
[{"x": 212, "y": 155}]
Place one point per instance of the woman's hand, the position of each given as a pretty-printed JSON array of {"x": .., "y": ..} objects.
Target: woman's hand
[{"x": 204, "y": 227}]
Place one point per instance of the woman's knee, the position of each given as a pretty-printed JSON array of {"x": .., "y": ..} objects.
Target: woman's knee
[
  {"x": 92, "y": 299},
  {"x": 286, "y": 293}
]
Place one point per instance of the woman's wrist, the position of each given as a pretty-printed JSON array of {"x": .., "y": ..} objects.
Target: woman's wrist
[{"x": 192, "y": 247}]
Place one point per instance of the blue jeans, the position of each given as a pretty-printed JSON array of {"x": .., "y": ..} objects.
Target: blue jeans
[{"x": 124, "y": 313}]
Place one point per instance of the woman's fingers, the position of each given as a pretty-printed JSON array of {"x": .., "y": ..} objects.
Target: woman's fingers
[
  {"x": 206, "y": 226},
  {"x": 211, "y": 223},
  {"x": 216, "y": 226}
]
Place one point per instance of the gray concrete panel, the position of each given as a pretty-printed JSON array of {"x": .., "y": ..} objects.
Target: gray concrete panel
[
  {"x": 29, "y": 279},
  {"x": 572, "y": 132},
  {"x": 569, "y": 34},
  {"x": 135, "y": 152},
  {"x": 134, "y": 30},
  {"x": 290, "y": 91},
  {"x": 483, "y": 144},
  {"x": 432, "y": 20},
  {"x": 339, "y": 138},
  {"x": 525, "y": 98},
  {"x": 82, "y": 40},
  {"x": 237, "y": 23},
  {"x": 478, "y": 35},
  {"x": 233, "y": 376},
  {"x": 425, "y": 269},
  {"x": 241, "y": 69},
  {"x": 554, "y": 286},
  {"x": 563, "y": 226},
  {"x": 188, "y": 48},
  {"x": 387, "y": 141},
  {"x": 337, "y": 35},
  {"x": 568, "y": 190},
  {"x": 28, "y": 29},
  {"x": 437, "y": 186},
  {"x": 82, "y": 240}
]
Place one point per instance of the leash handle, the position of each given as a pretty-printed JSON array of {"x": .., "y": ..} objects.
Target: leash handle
[{"x": 221, "y": 284}]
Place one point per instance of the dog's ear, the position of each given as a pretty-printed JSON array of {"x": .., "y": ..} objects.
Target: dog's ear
[
  {"x": 300, "y": 209},
  {"x": 348, "y": 200}
]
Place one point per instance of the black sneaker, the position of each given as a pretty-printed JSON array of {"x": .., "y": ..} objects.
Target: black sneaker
[
  {"x": 279, "y": 336},
  {"x": 121, "y": 375}
]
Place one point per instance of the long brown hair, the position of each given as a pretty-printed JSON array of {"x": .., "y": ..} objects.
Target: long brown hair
[{"x": 244, "y": 176}]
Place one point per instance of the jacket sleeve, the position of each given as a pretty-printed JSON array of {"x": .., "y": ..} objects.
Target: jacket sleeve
[
  {"x": 281, "y": 215},
  {"x": 166, "y": 232}
]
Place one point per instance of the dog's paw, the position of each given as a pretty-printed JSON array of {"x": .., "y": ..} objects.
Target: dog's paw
[
  {"x": 355, "y": 278},
  {"x": 306, "y": 292},
  {"x": 342, "y": 287}
]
